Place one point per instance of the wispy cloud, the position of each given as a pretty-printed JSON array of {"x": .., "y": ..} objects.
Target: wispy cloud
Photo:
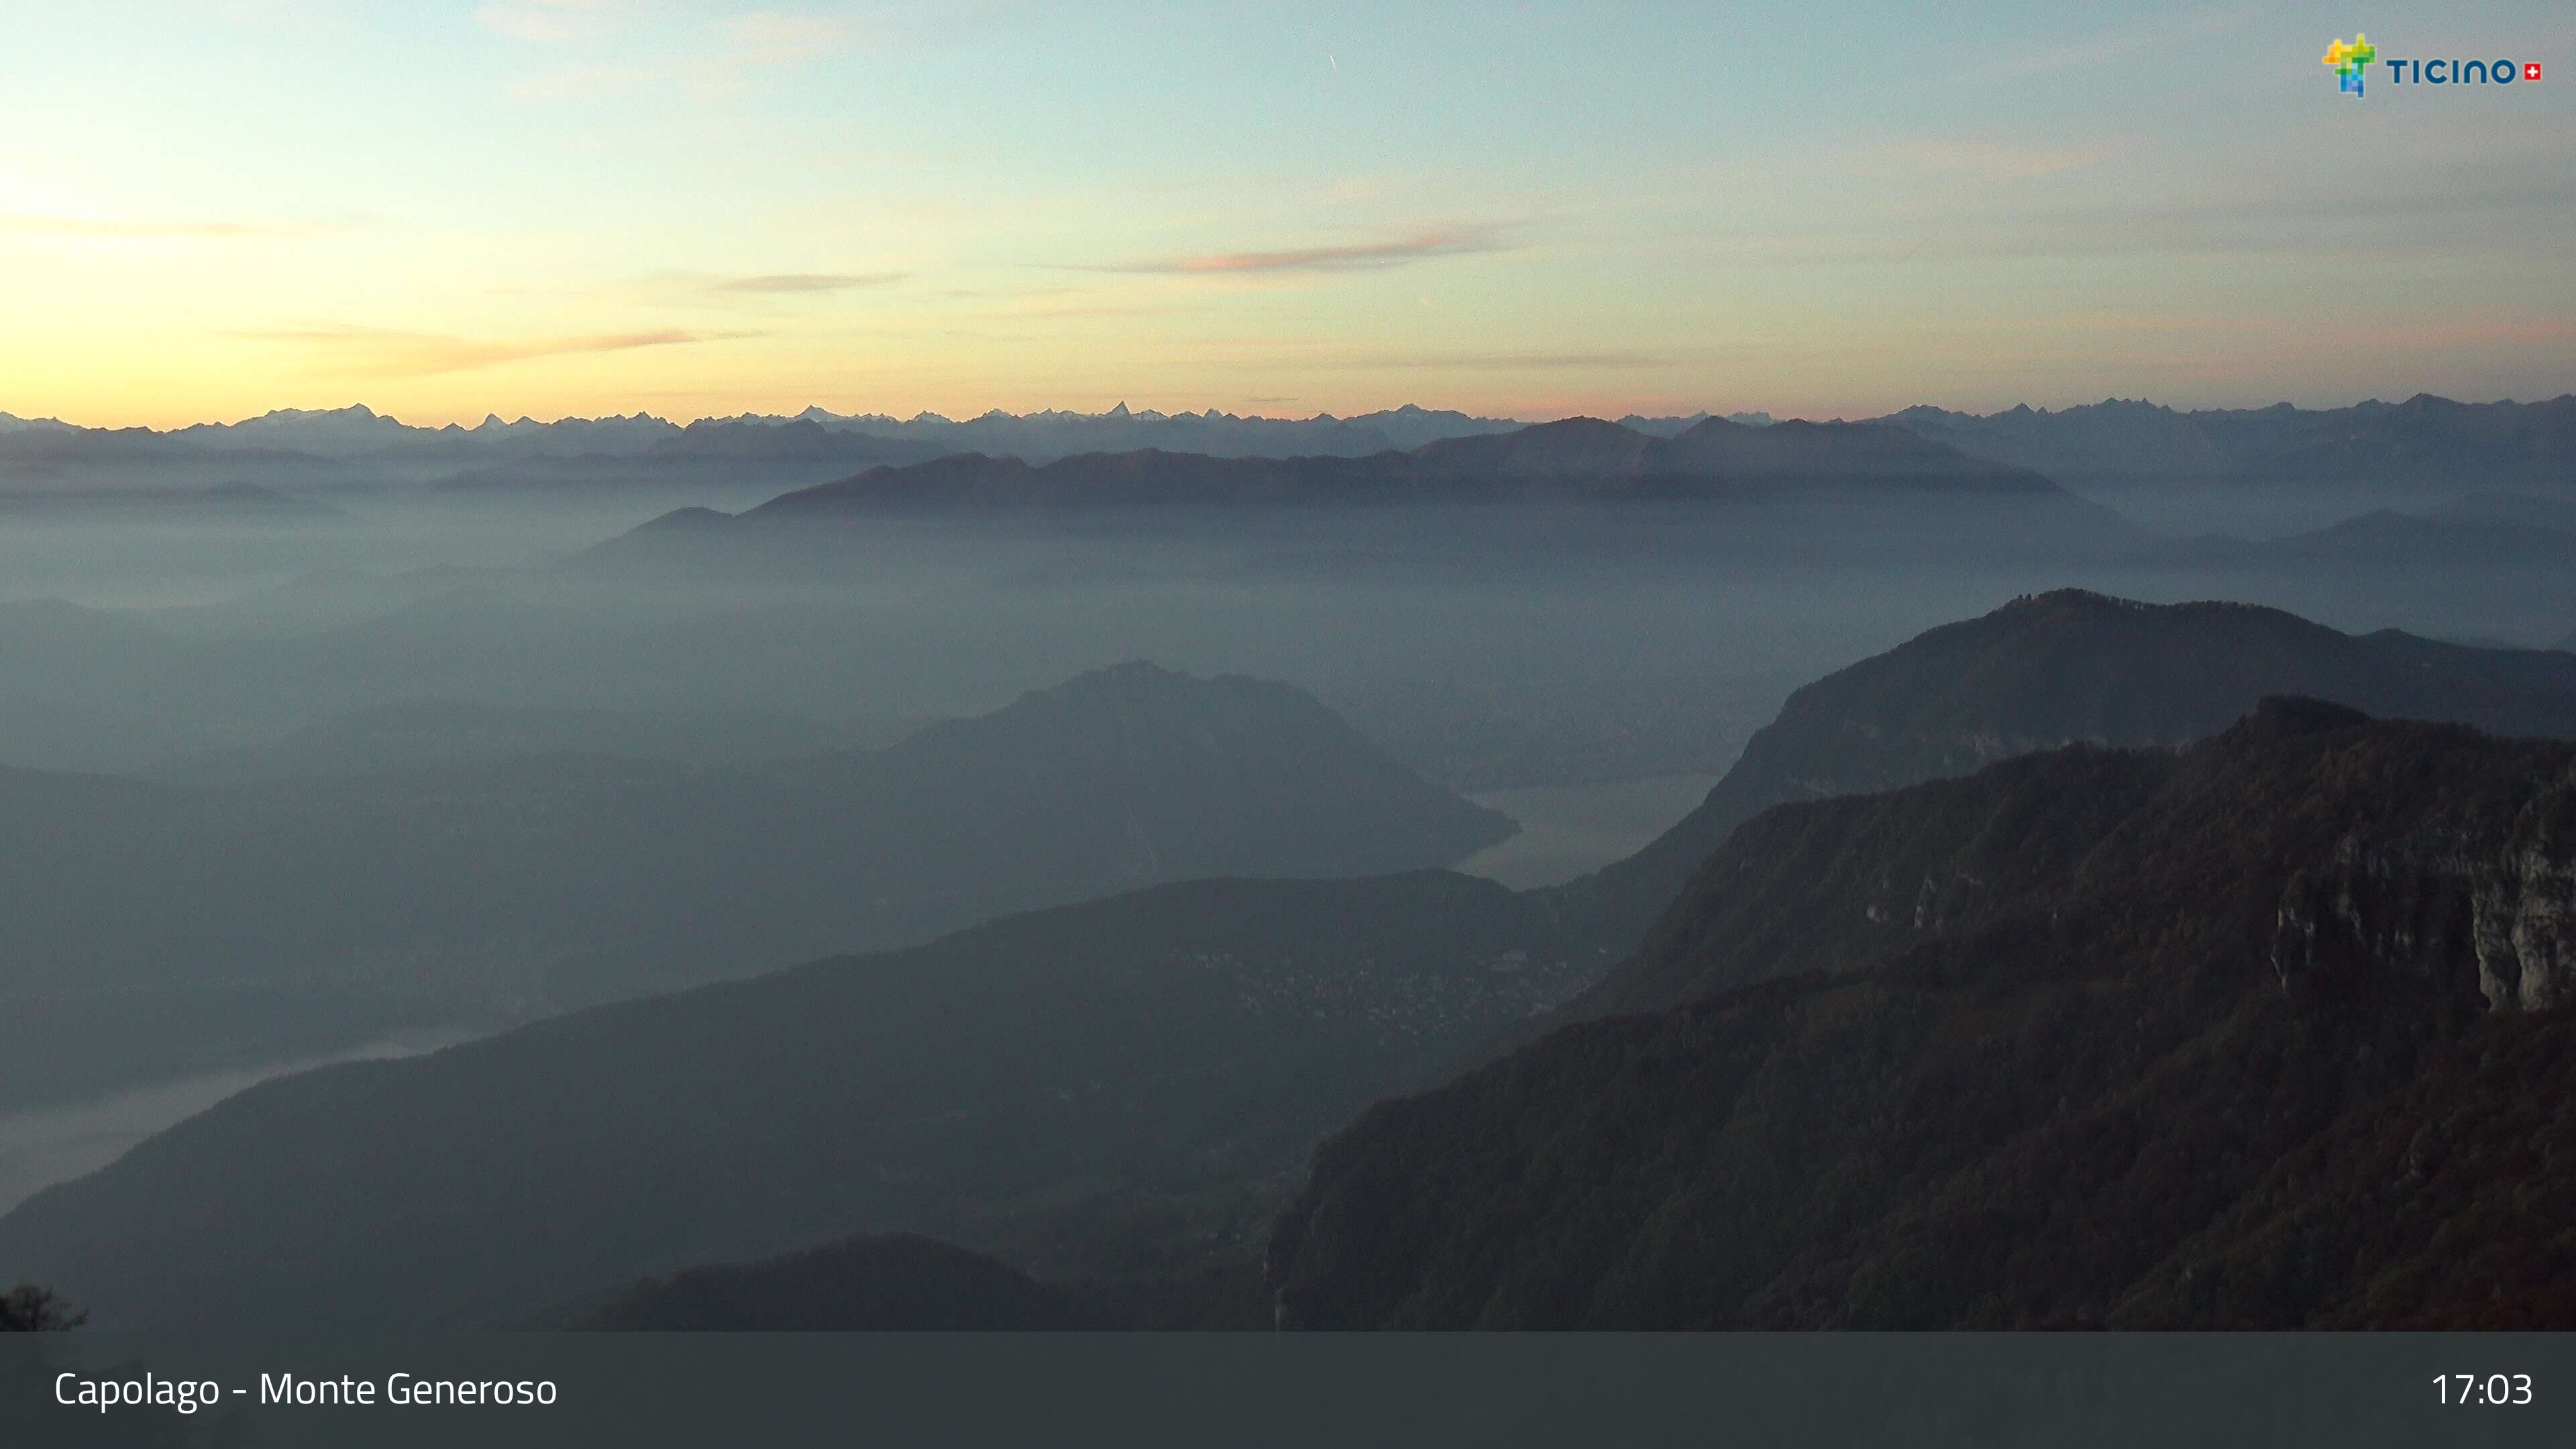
[
  {"x": 1354, "y": 256},
  {"x": 382, "y": 352},
  {"x": 800, "y": 283},
  {"x": 1478, "y": 361},
  {"x": 1099, "y": 309}
]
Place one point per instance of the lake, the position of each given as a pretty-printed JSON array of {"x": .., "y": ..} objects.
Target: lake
[
  {"x": 41, "y": 1146},
  {"x": 1567, "y": 831}
]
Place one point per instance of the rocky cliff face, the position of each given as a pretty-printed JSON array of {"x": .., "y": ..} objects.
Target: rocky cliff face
[
  {"x": 2504, "y": 899},
  {"x": 2270, "y": 1032},
  {"x": 2526, "y": 910}
]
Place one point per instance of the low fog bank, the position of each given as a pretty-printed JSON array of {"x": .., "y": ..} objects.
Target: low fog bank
[
  {"x": 520, "y": 672},
  {"x": 1492, "y": 648},
  {"x": 170, "y": 554}
]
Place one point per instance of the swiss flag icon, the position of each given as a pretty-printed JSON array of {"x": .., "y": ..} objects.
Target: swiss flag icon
[{"x": 2531, "y": 70}]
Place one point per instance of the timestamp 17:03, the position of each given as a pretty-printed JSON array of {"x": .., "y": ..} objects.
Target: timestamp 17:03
[{"x": 2483, "y": 1388}]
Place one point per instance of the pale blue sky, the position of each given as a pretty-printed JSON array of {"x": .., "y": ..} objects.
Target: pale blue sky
[{"x": 533, "y": 207}]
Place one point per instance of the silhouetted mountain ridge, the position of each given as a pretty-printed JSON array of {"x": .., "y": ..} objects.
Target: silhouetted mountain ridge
[
  {"x": 2426, "y": 444},
  {"x": 324, "y": 448},
  {"x": 1571, "y": 459}
]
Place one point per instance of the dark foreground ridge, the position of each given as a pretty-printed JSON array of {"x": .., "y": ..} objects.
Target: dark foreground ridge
[{"x": 2268, "y": 1033}]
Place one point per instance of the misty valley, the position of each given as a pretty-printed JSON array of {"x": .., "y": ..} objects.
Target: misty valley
[{"x": 2104, "y": 867}]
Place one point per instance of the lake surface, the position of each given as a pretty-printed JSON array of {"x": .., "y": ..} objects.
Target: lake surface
[
  {"x": 1567, "y": 831},
  {"x": 45, "y": 1145}
]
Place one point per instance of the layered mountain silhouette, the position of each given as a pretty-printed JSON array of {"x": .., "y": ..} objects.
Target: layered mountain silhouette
[
  {"x": 284, "y": 915},
  {"x": 1130, "y": 1087},
  {"x": 1575, "y": 459},
  {"x": 731, "y": 457},
  {"x": 1579, "y": 488},
  {"x": 2061, "y": 668},
  {"x": 2264, "y": 1033},
  {"x": 2426, "y": 447},
  {"x": 1044, "y": 436},
  {"x": 327, "y": 448},
  {"x": 357, "y": 432}
]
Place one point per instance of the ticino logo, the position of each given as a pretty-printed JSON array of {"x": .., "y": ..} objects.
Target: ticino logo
[{"x": 2351, "y": 65}]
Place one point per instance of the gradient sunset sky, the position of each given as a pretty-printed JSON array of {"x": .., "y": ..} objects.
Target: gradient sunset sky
[{"x": 554, "y": 207}]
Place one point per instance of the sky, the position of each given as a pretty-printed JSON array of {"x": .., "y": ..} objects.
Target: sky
[{"x": 578, "y": 207}]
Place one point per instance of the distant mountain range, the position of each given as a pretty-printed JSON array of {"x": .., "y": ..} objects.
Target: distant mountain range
[
  {"x": 2420, "y": 451},
  {"x": 359, "y": 433},
  {"x": 355, "y": 450},
  {"x": 1045, "y": 436},
  {"x": 1877, "y": 489},
  {"x": 1575, "y": 459},
  {"x": 1125, "y": 1089},
  {"x": 1667, "y": 427},
  {"x": 730, "y": 457},
  {"x": 166, "y": 928},
  {"x": 2260, "y": 1034},
  {"x": 356, "y": 446},
  {"x": 1818, "y": 476},
  {"x": 2429, "y": 446}
]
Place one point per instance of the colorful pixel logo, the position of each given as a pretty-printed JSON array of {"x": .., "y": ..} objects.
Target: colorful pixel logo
[{"x": 2351, "y": 62}]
